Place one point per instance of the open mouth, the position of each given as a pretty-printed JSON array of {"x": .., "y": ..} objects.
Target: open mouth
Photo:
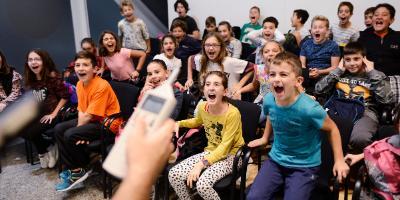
[
  {"x": 35, "y": 67},
  {"x": 211, "y": 53},
  {"x": 379, "y": 22},
  {"x": 212, "y": 96},
  {"x": 252, "y": 17},
  {"x": 81, "y": 74},
  {"x": 317, "y": 36},
  {"x": 169, "y": 50},
  {"x": 278, "y": 89}
]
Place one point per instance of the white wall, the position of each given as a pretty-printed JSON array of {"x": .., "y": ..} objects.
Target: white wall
[{"x": 236, "y": 11}]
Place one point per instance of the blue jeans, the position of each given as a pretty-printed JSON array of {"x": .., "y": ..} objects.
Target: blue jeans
[{"x": 298, "y": 183}]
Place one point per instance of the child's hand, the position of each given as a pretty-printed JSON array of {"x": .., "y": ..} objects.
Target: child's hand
[
  {"x": 194, "y": 174},
  {"x": 188, "y": 84},
  {"x": 47, "y": 119},
  {"x": 369, "y": 66},
  {"x": 340, "y": 170},
  {"x": 100, "y": 71},
  {"x": 353, "y": 158},
  {"x": 341, "y": 65},
  {"x": 237, "y": 95},
  {"x": 134, "y": 75},
  {"x": 257, "y": 143},
  {"x": 313, "y": 73}
]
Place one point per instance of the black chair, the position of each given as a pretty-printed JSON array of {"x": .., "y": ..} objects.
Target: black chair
[
  {"x": 127, "y": 96},
  {"x": 237, "y": 32},
  {"x": 247, "y": 50},
  {"x": 250, "y": 113}
]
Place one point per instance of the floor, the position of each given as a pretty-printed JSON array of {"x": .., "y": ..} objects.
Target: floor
[{"x": 21, "y": 180}]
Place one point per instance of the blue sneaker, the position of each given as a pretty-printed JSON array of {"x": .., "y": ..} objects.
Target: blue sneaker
[
  {"x": 72, "y": 180},
  {"x": 65, "y": 174}
]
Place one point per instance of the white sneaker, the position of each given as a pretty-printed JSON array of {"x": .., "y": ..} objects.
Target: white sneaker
[
  {"x": 53, "y": 156},
  {"x": 44, "y": 160}
]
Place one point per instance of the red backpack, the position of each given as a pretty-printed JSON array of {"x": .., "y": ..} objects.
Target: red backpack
[{"x": 383, "y": 165}]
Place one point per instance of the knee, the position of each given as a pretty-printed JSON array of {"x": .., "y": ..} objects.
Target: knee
[
  {"x": 175, "y": 174},
  {"x": 254, "y": 194},
  {"x": 359, "y": 141},
  {"x": 204, "y": 186}
]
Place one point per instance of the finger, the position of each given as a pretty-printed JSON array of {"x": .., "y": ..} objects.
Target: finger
[
  {"x": 188, "y": 182},
  {"x": 87, "y": 142}
]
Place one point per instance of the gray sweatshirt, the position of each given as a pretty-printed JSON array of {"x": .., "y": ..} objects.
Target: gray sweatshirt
[{"x": 373, "y": 86}]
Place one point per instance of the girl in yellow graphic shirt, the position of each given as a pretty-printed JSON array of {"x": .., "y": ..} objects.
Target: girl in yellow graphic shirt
[{"x": 223, "y": 127}]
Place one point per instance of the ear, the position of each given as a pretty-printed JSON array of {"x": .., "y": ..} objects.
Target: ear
[
  {"x": 299, "y": 81},
  {"x": 96, "y": 68}
]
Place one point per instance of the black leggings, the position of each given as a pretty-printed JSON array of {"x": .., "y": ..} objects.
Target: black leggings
[{"x": 34, "y": 133}]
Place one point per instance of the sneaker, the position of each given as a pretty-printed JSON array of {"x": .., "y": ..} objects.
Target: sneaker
[
  {"x": 44, "y": 160},
  {"x": 52, "y": 156},
  {"x": 73, "y": 179},
  {"x": 65, "y": 174}
]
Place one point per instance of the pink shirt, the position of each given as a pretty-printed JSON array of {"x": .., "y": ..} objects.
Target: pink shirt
[{"x": 120, "y": 64}]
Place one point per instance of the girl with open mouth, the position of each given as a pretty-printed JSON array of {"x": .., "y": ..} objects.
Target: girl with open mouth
[
  {"x": 46, "y": 84},
  {"x": 119, "y": 60},
  {"x": 233, "y": 45},
  {"x": 214, "y": 58}
]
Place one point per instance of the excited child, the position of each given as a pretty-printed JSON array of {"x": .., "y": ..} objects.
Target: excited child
[
  {"x": 233, "y": 45},
  {"x": 296, "y": 121},
  {"x": 223, "y": 128},
  {"x": 320, "y": 55},
  {"x": 344, "y": 31},
  {"x": 356, "y": 78}
]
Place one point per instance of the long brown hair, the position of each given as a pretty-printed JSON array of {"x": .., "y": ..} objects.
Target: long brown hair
[
  {"x": 102, "y": 49},
  {"x": 48, "y": 69},
  {"x": 204, "y": 58}
]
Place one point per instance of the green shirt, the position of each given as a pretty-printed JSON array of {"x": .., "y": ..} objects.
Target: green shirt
[{"x": 247, "y": 28}]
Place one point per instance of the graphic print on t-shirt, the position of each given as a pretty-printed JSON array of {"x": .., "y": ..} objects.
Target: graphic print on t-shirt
[{"x": 40, "y": 94}]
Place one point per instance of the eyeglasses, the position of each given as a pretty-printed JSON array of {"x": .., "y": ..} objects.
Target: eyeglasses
[
  {"x": 34, "y": 59},
  {"x": 211, "y": 45}
]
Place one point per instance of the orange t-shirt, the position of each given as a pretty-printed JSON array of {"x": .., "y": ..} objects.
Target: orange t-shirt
[{"x": 97, "y": 98}]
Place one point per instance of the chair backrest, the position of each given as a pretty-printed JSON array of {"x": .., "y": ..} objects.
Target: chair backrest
[
  {"x": 237, "y": 32},
  {"x": 250, "y": 114},
  {"x": 247, "y": 50},
  {"x": 127, "y": 95},
  {"x": 186, "y": 100}
]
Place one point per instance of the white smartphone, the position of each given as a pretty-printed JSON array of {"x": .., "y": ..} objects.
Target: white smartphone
[{"x": 155, "y": 107}]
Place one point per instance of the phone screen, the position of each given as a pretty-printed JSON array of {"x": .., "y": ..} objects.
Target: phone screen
[{"x": 153, "y": 104}]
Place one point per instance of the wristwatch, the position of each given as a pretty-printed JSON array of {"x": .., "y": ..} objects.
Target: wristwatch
[{"x": 205, "y": 163}]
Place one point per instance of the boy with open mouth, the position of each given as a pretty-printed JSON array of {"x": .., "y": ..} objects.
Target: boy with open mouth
[
  {"x": 296, "y": 121},
  {"x": 344, "y": 32},
  {"x": 381, "y": 42},
  {"x": 96, "y": 100},
  {"x": 269, "y": 32},
  {"x": 320, "y": 55}
]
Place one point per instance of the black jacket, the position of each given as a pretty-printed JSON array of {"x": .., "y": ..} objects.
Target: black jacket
[{"x": 384, "y": 52}]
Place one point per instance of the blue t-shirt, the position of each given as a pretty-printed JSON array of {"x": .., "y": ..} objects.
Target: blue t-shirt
[
  {"x": 319, "y": 55},
  {"x": 296, "y": 129}
]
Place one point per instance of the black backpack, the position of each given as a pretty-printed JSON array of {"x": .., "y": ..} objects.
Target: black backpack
[{"x": 191, "y": 145}]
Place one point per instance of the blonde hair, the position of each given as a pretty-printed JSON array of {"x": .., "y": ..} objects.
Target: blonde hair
[
  {"x": 126, "y": 3},
  {"x": 320, "y": 18}
]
